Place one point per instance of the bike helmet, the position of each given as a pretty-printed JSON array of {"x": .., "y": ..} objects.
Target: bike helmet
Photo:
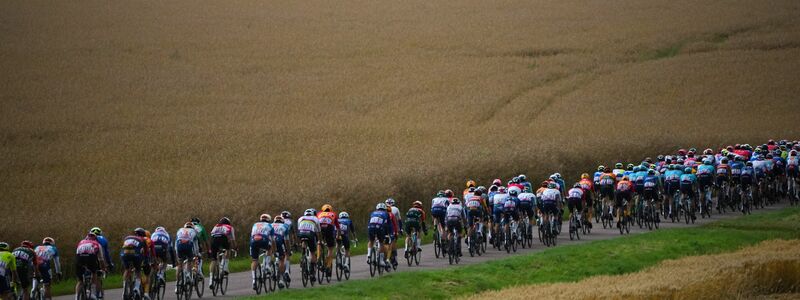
[
  {"x": 48, "y": 241},
  {"x": 160, "y": 229},
  {"x": 327, "y": 208},
  {"x": 308, "y": 213},
  {"x": 448, "y": 193},
  {"x": 493, "y": 188},
  {"x": 793, "y": 153},
  {"x": 651, "y": 172},
  {"x": 455, "y": 201},
  {"x": 687, "y": 170},
  {"x": 618, "y": 166},
  {"x": 265, "y": 218},
  {"x": 515, "y": 180},
  {"x": 724, "y": 160},
  {"x": 749, "y": 163},
  {"x": 286, "y": 214},
  {"x": 522, "y": 177},
  {"x": 278, "y": 219},
  {"x": 771, "y": 142},
  {"x": 418, "y": 204},
  {"x": 96, "y": 230},
  {"x": 482, "y": 189},
  {"x": 708, "y": 151},
  {"x": 601, "y": 168},
  {"x": 553, "y": 177},
  {"x": 188, "y": 225},
  {"x": 471, "y": 190},
  {"x": 389, "y": 202},
  {"x": 380, "y": 206},
  {"x": 576, "y": 185},
  {"x": 625, "y": 178},
  {"x": 225, "y": 221},
  {"x": 470, "y": 183},
  {"x": 26, "y": 244},
  {"x": 342, "y": 215},
  {"x": 196, "y": 220},
  {"x": 706, "y": 161},
  {"x": 513, "y": 192},
  {"x": 558, "y": 175},
  {"x": 440, "y": 193},
  {"x": 585, "y": 176},
  {"x": 681, "y": 151},
  {"x": 4, "y": 246},
  {"x": 552, "y": 185},
  {"x": 544, "y": 183},
  {"x": 139, "y": 232},
  {"x": 501, "y": 190},
  {"x": 497, "y": 182},
  {"x": 629, "y": 167},
  {"x": 660, "y": 157},
  {"x": 478, "y": 193},
  {"x": 769, "y": 156}
]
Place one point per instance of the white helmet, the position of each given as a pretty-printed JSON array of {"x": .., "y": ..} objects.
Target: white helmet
[
  {"x": 309, "y": 212},
  {"x": 389, "y": 201},
  {"x": 344, "y": 215},
  {"x": 380, "y": 206}
]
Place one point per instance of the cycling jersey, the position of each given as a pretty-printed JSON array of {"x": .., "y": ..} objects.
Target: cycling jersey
[
  {"x": 202, "y": 233},
  {"x": 455, "y": 212},
  {"x": 651, "y": 182},
  {"x": 551, "y": 196},
  {"x": 760, "y": 168},
  {"x": 25, "y": 257},
  {"x": 185, "y": 235},
  {"x": 606, "y": 180},
  {"x": 280, "y": 232},
  {"x": 260, "y": 231},
  {"x": 132, "y": 245},
  {"x": 160, "y": 238},
  {"x": 511, "y": 204},
  {"x": 346, "y": 225},
  {"x": 723, "y": 170},
  {"x": 475, "y": 203},
  {"x": 625, "y": 186},
  {"x": 596, "y": 178},
  {"x": 587, "y": 184},
  {"x": 223, "y": 230},
  {"x": 380, "y": 225},
  {"x": 327, "y": 219},
  {"x": 307, "y": 225},
  {"x": 575, "y": 193},
  {"x": 439, "y": 204},
  {"x": 705, "y": 174},
  {"x": 45, "y": 254},
  {"x": 527, "y": 199},
  {"x": 8, "y": 264},
  {"x": 617, "y": 172}
]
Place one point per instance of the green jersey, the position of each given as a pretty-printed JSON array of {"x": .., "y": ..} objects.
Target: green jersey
[{"x": 202, "y": 234}]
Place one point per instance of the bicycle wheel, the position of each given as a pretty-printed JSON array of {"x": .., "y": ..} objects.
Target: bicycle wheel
[
  {"x": 436, "y": 243},
  {"x": 161, "y": 288},
  {"x": 304, "y": 270},
  {"x": 450, "y": 252},
  {"x": 347, "y": 270},
  {"x": 179, "y": 287},
  {"x": 320, "y": 269},
  {"x": 339, "y": 263},
  {"x": 572, "y": 229},
  {"x": 373, "y": 262},
  {"x": 578, "y": 228},
  {"x": 199, "y": 286},
  {"x": 258, "y": 279},
  {"x": 471, "y": 245}
]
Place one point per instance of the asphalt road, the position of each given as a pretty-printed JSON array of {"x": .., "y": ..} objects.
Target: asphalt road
[{"x": 240, "y": 283}]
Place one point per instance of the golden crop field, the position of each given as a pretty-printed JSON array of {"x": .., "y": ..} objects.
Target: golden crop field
[
  {"x": 128, "y": 113},
  {"x": 770, "y": 269}
]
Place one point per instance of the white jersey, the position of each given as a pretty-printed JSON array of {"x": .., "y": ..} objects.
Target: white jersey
[
  {"x": 527, "y": 198},
  {"x": 455, "y": 211},
  {"x": 575, "y": 193},
  {"x": 439, "y": 203},
  {"x": 500, "y": 199},
  {"x": 185, "y": 235},
  {"x": 308, "y": 224},
  {"x": 515, "y": 188},
  {"x": 396, "y": 213},
  {"x": 261, "y": 229},
  {"x": 551, "y": 195}
]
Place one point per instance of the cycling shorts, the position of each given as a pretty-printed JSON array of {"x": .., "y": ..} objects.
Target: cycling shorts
[
  {"x": 219, "y": 243},
  {"x": 705, "y": 180},
  {"x": 161, "y": 251},
  {"x": 4, "y": 286},
  {"x": 527, "y": 208},
  {"x": 650, "y": 194},
  {"x": 185, "y": 251},
  {"x": 89, "y": 262},
  {"x": 510, "y": 215},
  {"x": 329, "y": 235},
  {"x": 550, "y": 208},
  {"x": 454, "y": 224},
  {"x": 497, "y": 216},
  {"x": 377, "y": 233},
  {"x": 280, "y": 246},
  {"x": 687, "y": 189},
  {"x": 575, "y": 203},
  {"x": 24, "y": 274},
  {"x": 623, "y": 196},
  {"x": 793, "y": 172},
  {"x": 412, "y": 224},
  {"x": 44, "y": 272},
  {"x": 257, "y": 246},
  {"x": 607, "y": 191},
  {"x": 346, "y": 241},
  {"x": 472, "y": 214},
  {"x": 746, "y": 180},
  {"x": 672, "y": 186},
  {"x": 721, "y": 179},
  {"x": 311, "y": 241}
]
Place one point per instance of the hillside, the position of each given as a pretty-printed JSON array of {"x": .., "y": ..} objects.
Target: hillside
[{"x": 141, "y": 113}]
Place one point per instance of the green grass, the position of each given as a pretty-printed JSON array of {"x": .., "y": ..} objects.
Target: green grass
[{"x": 568, "y": 263}]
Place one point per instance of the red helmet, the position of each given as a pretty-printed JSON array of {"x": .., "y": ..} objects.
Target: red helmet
[
  {"x": 27, "y": 244},
  {"x": 448, "y": 193},
  {"x": 497, "y": 182},
  {"x": 681, "y": 151}
]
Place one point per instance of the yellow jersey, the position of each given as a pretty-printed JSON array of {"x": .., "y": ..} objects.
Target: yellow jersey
[{"x": 8, "y": 263}]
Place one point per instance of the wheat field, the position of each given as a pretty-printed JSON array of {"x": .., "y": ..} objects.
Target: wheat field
[
  {"x": 127, "y": 113},
  {"x": 769, "y": 270}
]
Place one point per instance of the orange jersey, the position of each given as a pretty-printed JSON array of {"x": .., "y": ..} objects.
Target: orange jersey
[
  {"x": 587, "y": 184},
  {"x": 327, "y": 218}
]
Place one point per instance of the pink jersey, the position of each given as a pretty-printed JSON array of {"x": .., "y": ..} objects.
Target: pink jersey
[
  {"x": 223, "y": 230},
  {"x": 88, "y": 247}
]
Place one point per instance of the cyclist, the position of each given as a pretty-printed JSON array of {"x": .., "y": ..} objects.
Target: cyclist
[
  {"x": 415, "y": 221},
  {"x": 8, "y": 271},
  {"x": 705, "y": 179},
  {"x": 347, "y": 229},
  {"x": 308, "y": 228},
  {"x": 629, "y": 171},
  {"x": 380, "y": 227},
  {"x": 162, "y": 244},
  {"x": 651, "y": 187},
  {"x": 527, "y": 201},
  {"x": 588, "y": 190},
  {"x": 475, "y": 209},
  {"x": 133, "y": 256},
  {"x": 397, "y": 222},
  {"x": 792, "y": 170},
  {"x": 596, "y": 178},
  {"x": 280, "y": 237},
  {"x": 723, "y": 172},
  {"x": 439, "y": 210},
  {"x": 292, "y": 235},
  {"x": 607, "y": 184},
  {"x": 499, "y": 201},
  {"x": 103, "y": 243},
  {"x": 187, "y": 247},
  {"x": 562, "y": 185},
  {"x": 576, "y": 199},
  {"x": 551, "y": 203},
  {"x": 455, "y": 220},
  {"x": 47, "y": 258},
  {"x": 89, "y": 257},
  {"x": 515, "y": 185},
  {"x": 524, "y": 181},
  {"x": 203, "y": 243},
  {"x": 672, "y": 179},
  {"x": 618, "y": 169},
  {"x": 470, "y": 184},
  {"x": 688, "y": 187},
  {"x": 328, "y": 223},
  {"x": 260, "y": 239},
  {"x": 624, "y": 192},
  {"x": 148, "y": 264},
  {"x": 222, "y": 238},
  {"x": 26, "y": 266}
]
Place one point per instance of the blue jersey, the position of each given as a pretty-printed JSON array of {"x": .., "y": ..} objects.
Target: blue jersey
[
  {"x": 104, "y": 244},
  {"x": 280, "y": 231},
  {"x": 379, "y": 219},
  {"x": 650, "y": 182},
  {"x": 706, "y": 170},
  {"x": 160, "y": 238},
  {"x": 688, "y": 179},
  {"x": 345, "y": 226},
  {"x": 736, "y": 169}
]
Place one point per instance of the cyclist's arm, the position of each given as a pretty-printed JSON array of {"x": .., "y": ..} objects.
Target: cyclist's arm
[
  {"x": 171, "y": 252},
  {"x": 233, "y": 238}
]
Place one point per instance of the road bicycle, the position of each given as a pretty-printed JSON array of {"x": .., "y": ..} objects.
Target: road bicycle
[
  {"x": 185, "y": 281},
  {"x": 219, "y": 277},
  {"x": 412, "y": 253},
  {"x": 626, "y": 220},
  {"x": 264, "y": 273},
  {"x": 306, "y": 267},
  {"x": 323, "y": 273},
  {"x": 343, "y": 261},
  {"x": 158, "y": 283},
  {"x": 131, "y": 288},
  {"x": 575, "y": 225},
  {"x": 453, "y": 247}
]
